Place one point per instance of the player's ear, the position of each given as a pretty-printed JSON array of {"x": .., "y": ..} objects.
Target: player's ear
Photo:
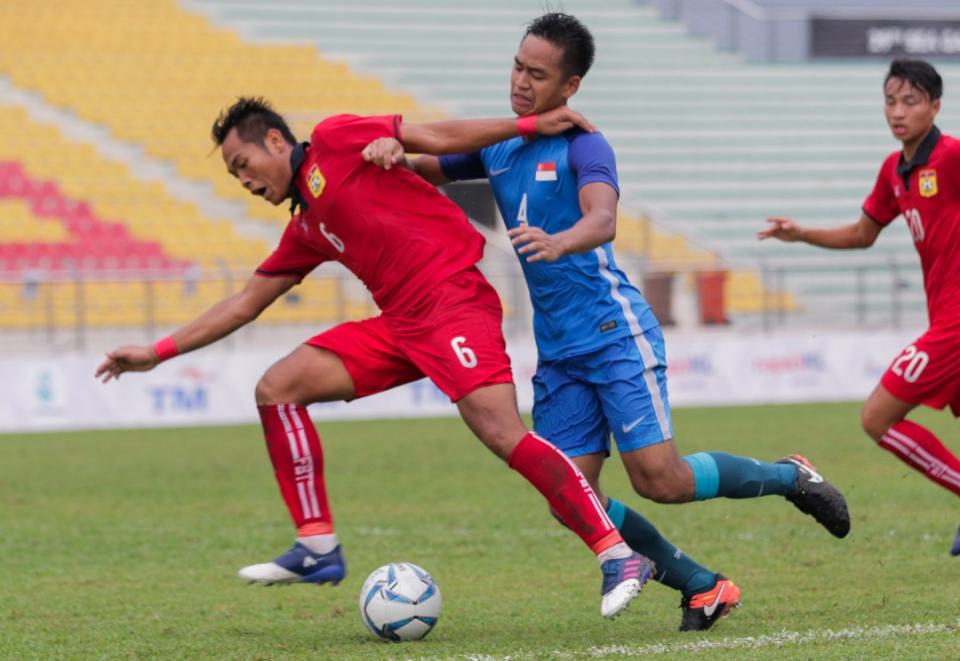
[
  {"x": 571, "y": 86},
  {"x": 936, "y": 107},
  {"x": 275, "y": 140}
]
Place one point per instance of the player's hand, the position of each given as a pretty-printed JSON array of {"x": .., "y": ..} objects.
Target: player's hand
[
  {"x": 384, "y": 152},
  {"x": 126, "y": 359},
  {"x": 536, "y": 244},
  {"x": 780, "y": 228},
  {"x": 562, "y": 119}
]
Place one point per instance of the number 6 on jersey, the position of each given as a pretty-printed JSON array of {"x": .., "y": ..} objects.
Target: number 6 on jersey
[{"x": 464, "y": 353}]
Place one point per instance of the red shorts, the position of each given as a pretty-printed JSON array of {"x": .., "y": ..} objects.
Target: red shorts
[
  {"x": 453, "y": 336},
  {"x": 928, "y": 371}
]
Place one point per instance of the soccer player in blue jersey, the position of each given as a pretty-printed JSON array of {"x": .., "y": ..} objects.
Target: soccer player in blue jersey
[{"x": 602, "y": 362}]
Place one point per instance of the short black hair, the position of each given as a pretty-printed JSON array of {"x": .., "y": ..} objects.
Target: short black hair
[
  {"x": 566, "y": 32},
  {"x": 919, "y": 74},
  {"x": 252, "y": 116}
]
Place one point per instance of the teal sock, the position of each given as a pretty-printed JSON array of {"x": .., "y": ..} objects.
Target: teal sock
[
  {"x": 722, "y": 475},
  {"x": 674, "y": 568}
]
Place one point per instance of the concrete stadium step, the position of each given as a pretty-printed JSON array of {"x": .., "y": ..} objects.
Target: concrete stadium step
[
  {"x": 377, "y": 56},
  {"x": 752, "y": 170},
  {"x": 325, "y": 19},
  {"x": 719, "y": 156},
  {"x": 721, "y": 141},
  {"x": 746, "y": 245},
  {"x": 675, "y": 76},
  {"x": 736, "y": 228},
  {"x": 744, "y": 241},
  {"x": 765, "y": 253},
  {"x": 789, "y": 187},
  {"x": 746, "y": 108},
  {"x": 439, "y": 43},
  {"x": 643, "y": 88}
]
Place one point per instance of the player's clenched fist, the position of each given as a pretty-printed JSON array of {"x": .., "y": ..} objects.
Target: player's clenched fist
[
  {"x": 384, "y": 152},
  {"x": 127, "y": 359}
]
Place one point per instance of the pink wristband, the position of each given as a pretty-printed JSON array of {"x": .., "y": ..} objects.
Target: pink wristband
[
  {"x": 165, "y": 349},
  {"x": 527, "y": 125}
]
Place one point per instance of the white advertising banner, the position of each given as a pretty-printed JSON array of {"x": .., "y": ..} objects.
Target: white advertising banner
[
  {"x": 778, "y": 368},
  {"x": 215, "y": 386}
]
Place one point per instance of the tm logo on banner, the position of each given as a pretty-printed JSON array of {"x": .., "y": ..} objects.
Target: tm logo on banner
[{"x": 190, "y": 394}]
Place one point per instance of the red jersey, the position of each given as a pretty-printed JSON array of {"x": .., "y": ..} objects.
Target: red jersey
[
  {"x": 391, "y": 228},
  {"x": 926, "y": 190}
]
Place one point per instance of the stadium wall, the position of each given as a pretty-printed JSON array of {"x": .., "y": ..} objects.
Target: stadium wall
[
  {"x": 216, "y": 386},
  {"x": 795, "y": 30}
]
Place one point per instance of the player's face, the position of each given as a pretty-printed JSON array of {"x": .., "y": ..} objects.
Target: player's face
[
  {"x": 264, "y": 170},
  {"x": 538, "y": 82},
  {"x": 909, "y": 110}
]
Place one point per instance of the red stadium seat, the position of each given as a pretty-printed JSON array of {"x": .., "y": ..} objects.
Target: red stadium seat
[{"x": 94, "y": 244}]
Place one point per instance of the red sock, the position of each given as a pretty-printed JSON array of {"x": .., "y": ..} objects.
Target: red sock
[
  {"x": 917, "y": 447},
  {"x": 566, "y": 490},
  {"x": 298, "y": 464}
]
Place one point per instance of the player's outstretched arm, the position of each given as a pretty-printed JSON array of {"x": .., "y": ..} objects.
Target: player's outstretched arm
[
  {"x": 463, "y": 136},
  {"x": 466, "y": 135},
  {"x": 861, "y": 234},
  {"x": 217, "y": 322}
]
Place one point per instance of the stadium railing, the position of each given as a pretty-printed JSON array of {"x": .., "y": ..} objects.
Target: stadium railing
[{"x": 65, "y": 309}]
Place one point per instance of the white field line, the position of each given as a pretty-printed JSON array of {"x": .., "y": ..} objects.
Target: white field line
[{"x": 775, "y": 640}]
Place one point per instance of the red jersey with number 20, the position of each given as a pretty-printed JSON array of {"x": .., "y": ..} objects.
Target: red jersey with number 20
[
  {"x": 926, "y": 191},
  {"x": 391, "y": 228}
]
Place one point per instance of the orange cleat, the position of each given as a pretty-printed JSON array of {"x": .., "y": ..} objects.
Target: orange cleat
[{"x": 701, "y": 610}]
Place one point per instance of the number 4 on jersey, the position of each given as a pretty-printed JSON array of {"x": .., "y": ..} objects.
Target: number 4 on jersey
[{"x": 522, "y": 212}]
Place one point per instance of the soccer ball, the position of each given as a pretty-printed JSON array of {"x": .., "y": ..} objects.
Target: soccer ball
[{"x": 400, "y": 601}]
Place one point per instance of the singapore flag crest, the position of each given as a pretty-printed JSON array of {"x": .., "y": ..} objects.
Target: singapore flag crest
[{"x": 547, "y": 171}]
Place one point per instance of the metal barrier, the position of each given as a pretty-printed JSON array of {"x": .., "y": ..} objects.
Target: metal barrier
[{"x": 65, "y": 309}]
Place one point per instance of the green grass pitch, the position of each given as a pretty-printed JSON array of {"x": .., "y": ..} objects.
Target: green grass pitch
[{"x": 124, "y": 544}]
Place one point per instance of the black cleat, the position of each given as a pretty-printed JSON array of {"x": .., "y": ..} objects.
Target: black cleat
[
  {"x": 818, "y": 498},
  {"x": 955, "y": 550},
  {"x": 701, "y": 610}
]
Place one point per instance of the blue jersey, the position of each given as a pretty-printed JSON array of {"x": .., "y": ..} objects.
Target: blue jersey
[{"x": 581, "y": 302}]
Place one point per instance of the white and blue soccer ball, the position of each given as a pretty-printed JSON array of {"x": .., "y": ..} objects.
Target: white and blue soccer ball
[{"x": 400, "y": 601}]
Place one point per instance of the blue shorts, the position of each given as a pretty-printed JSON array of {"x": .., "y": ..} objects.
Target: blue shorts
[{"x": 621, "y": 387}]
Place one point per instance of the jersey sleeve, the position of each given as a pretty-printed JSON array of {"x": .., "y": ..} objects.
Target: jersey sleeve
[
  {"x": 591, "y": 159},
  {"x": 458, "y": 167},
  {"x": 351, "y": 133},
  {"x": 881, "y": 204},
  {"x": 293, "y": 257}
]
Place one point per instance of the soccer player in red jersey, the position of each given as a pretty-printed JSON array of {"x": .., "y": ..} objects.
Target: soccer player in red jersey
[
  {"x": 416, "y": 253},
  {"x": 921, "y": 182}
]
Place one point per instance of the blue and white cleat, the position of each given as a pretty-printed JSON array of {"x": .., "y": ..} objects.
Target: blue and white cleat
[
  {"x": 955, "y": 550},
  {"x": 623, "y": 578},
  {"x": 298, "y": 565}
]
